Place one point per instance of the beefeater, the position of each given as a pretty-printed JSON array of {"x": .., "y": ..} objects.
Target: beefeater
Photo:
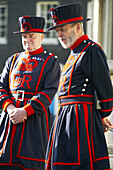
[
  {"x": 28, "y": 84},
  {"x": 77, "y": 140}
]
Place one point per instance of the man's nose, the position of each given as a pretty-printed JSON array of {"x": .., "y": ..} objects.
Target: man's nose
[
  {"x": 27, "y": 38},
  {"x": 59, "y": 33}
]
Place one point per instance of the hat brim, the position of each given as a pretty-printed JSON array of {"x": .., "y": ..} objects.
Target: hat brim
[
  {"x": 53, "y": 27},
  {"x": 19, "y": 32}
]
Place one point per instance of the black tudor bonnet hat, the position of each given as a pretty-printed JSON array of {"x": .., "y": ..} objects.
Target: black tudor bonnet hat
[
  {"x": 30, "y": 24},
  {"x": 66, "y": 14}
]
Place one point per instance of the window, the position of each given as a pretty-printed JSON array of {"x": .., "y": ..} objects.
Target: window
[
  {"x": 42, "y": 9},
  {"x": 3, "y": 23}
]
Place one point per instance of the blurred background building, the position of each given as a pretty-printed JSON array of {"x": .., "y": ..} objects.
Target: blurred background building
[{"x": 100, "y": 29}]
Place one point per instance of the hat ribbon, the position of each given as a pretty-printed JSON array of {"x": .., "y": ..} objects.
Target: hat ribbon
[
  {"x": 70, "y": 20},
  {"x": 32, "y": 30}
]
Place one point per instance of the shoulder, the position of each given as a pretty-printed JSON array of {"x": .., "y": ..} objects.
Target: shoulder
[
  {"x": 95, "y": 54},
  {"x": 12, "y": 58},
  {"x": 95, "y": 46},
  {"x": 50, "y": 56},
  {"x": 93, "y": 49}
]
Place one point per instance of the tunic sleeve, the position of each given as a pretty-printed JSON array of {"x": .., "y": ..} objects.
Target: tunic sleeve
[
  {"x": 95, "y": 67},
  {"x": 4, "y": 85}
]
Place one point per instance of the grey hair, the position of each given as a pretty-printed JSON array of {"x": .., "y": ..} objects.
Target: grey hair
[{"x": 81, "y": 25}]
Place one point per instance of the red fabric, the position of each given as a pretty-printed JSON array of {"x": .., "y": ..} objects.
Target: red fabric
[
  {"x": 29, "y": 109},
  {"x": 6, "y": 103}
]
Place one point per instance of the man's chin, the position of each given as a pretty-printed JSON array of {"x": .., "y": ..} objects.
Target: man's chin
[
  {"x": 29, "y": 49},
  {"x": 63, "y": 45}
]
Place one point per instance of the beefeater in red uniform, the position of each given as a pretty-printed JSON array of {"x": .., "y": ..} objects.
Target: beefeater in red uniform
[
  {"x": 77, "y": 140},
  {"x": 28, "y": 84}
]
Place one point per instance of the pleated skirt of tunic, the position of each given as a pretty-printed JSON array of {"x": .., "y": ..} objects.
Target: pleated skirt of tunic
[{"x": 77, "y": 140}]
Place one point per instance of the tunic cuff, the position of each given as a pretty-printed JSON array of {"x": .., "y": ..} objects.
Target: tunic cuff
[
  {"x": 6, "y": 103},
  {"x": 102, "y": 119},
  {"x": 29, "y": 109}
]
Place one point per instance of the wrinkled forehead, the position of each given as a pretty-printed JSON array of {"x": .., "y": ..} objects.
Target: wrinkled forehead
[{"x": 30, "y": 34}]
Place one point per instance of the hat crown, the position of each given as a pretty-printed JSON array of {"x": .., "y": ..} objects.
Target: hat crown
[
  {"x": 27, "y": 23},
  {"x": 66, "y": 14},
  {"x": 31, "y": 24},
  {"x": 69, "y": 11}
]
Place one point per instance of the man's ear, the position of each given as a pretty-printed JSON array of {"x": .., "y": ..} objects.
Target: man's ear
[
  {"x": 42, "y": 36},
  {"x": 77, "y": 27}
]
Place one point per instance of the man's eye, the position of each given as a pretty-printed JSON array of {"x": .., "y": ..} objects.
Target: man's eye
[
  {"x": 31, "y": 36},
  {"x": 63, "y": 30}
]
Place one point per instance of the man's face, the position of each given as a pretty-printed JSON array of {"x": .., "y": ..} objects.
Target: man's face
[
  {"x": 66, "y": 35},
  {"x": 31, "y": 41}
]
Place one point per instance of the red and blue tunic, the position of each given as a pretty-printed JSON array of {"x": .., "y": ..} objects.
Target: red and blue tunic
[
  {"x": 28, "y": 80},
  {"x": 77, "y": 140}
]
